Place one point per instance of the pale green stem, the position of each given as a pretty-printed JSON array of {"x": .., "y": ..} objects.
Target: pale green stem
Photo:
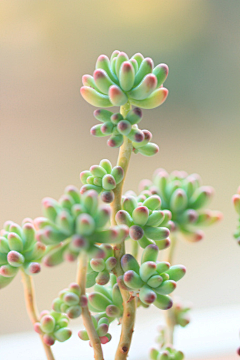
[
  {"x": 170, "y": 251},
  {"x": 135, "y": 248},
  {"x": 129, "y": 308},
  {"x": 30, "y": 301},
  {"x": 170, "y": 324},
  {"x": 87, "y": 320}
]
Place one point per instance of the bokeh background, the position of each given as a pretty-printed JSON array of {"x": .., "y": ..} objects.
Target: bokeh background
[{"x": 46, "y": 47}]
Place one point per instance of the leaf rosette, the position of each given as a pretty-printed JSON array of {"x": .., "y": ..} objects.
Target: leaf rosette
[
  {"x": 107, "y": 304},
  {"x": 146, "y": 222},
  {"x": 70, "y": 301},
  {"x": 236, "y": 203},
  {"x": 102, "y": 178},
  {"x": 99, "y": 270},
  {"x": 122, "y": 79},
  {"x": 76, "y": 223},
  {"x": 116, "y": 126},
  {"x": 185, "y": 197},
  {"x": 19, "y": 250},
  {"x": 166, "y": 353},
  {"x": 53, "y": 327},
  {"x": 153, "y": 281}
]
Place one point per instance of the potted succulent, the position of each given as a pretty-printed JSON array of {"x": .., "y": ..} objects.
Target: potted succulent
[{"x": 92, "y": 225}]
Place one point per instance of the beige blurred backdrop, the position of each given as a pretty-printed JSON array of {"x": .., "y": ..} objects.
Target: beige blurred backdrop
[{"x": 46, "y": 47}]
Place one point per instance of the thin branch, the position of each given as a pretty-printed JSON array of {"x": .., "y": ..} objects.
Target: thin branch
[
  {"x": 87, "y": 320},
  {"x": 30, "y": 301}
]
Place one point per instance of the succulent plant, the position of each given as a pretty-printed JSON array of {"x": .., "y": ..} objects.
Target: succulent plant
[
  {"x": 78, "y": 226},
  {"x": 153, "y": 281},
  {"x": 107, "y": 304},
  {"x": 179, "y": 313},
  {"x": 184, "y": 196},
  {"x": 120, "y": 79},
  {"x": 166, "y": 353},
  {"x": 99, "y": 269},
  {"x": 101, "y": 325},
  {"x": 146, "y": 222},
  {"x": 236, "y": 203},
  {"x": 70, "y": 301},
  {"x": 76, "y": 223},
  {"x": 102, "y": 178},
  {"x": 116, "y": 126},
  {"x": 53, "y": 327},
  {"x": 19, "y": 250},
  {"x": 107, "y": 301}
]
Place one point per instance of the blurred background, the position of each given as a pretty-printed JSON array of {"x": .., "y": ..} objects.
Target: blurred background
[{"x": 46, "y": 47}]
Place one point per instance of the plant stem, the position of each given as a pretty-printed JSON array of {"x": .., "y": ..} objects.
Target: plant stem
[
  {"x": 169, "y": 333},
  {"x": 170, "y": 324},
  {"x": 29, "y": 294},
  {"x": 129, "y": 308},
  {"x": 87, "y": 320},
  {"x": 170, "y": 251},
  {"x": 134, "y": 248}
]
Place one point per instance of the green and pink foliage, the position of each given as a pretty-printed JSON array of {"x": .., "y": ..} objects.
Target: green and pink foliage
[
  {"x": 116, "y": 126},
  {"x": 99, "y": 270},
  {"x": 185, "y": 197},
  {"x": 122, "y": 79},
  {"x": 236, "y": 203},
  {"x": 102, "y": 178},
  {"x": 19, "y": 250},
  {"x": 70, "y": 301},
  {"x": 75, "y": 223},
  {"x": 101, "y": 325},
  {"x": 53, "y": 327},
  {"x": 153, "y": 280},
  {"x": 166, "y": 353},
  {"x": 147, "y": 223}
]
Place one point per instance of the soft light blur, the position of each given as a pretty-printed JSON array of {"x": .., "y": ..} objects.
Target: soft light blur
[{"x": 46, "y": 47}]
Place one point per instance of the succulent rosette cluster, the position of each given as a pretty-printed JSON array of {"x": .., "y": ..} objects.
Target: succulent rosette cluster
[
  {"x": 107, "y": 304},
  {"x": 122, "y": 79},
  {"x": 102, "y": 178},
  {"x": 116, "y": 126},
  {"x": 186, "y": 198},
  {"x": 19, "y": 250},
  {"x": 107, "y": 301},
  {"x": 70, "y": 301},
  {"x": 179, "y": 313},
  {"x": 99, "y": 270},
  {"x": 153, "y": 280},
  {"x": 101, "y": 325},
  {"x": 53, "y": 327},
  {"x": 166, "y": 353},
  {"x": 76, "y": 223},
  {"x": 236, "y": 203},
  {"x": 146, "y": 222}
]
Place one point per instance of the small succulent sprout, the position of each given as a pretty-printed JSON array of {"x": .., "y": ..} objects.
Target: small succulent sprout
[
  {"x": 107, "y": 304},
  {"x": 179, "y": 313},
  {"x": 102, "y": 178},
  {"x": 53, "y": 327},
  {"x": 152, "y": 281},
  {"x": 107, "y": 301},
  {"x": 236, "y": 203},
  {"x": 76, "y": 223},
  {"x": 101, "y": 325},
  {"x": 146, "y": 222},
  {"x": 166, "y": 353},
  {"x": 19, "y": 249},
  {"x": 185, "y": 198},
  {"x": 122, "y": 79},
  {"x": 115, "y": 126},
  {"x": 99, "y": 269},
  {"x": 70, "y": 301}
]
